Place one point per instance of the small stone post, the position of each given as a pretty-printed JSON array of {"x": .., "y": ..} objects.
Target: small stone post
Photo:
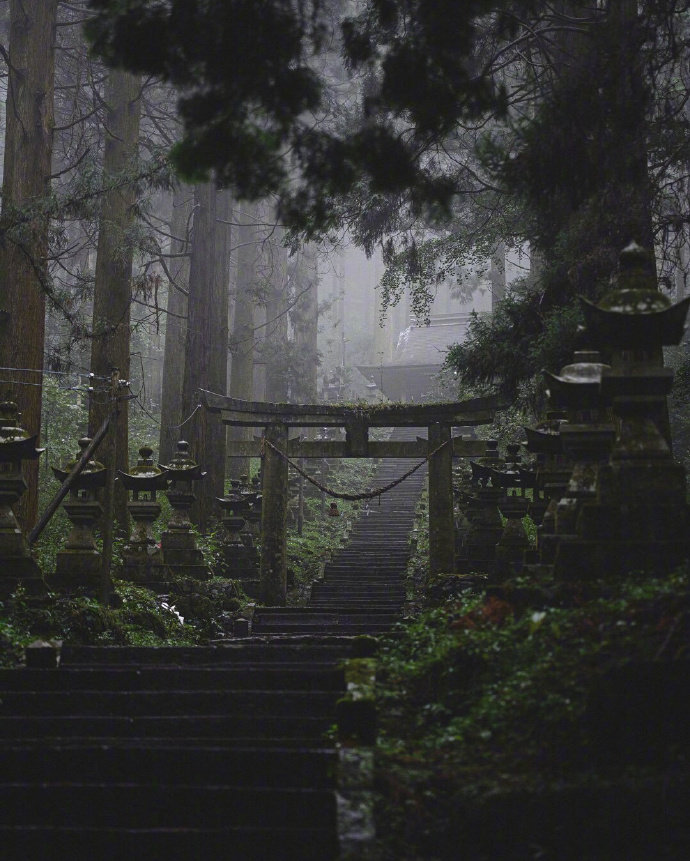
[
  {"x": 273, "y": 572},
  {"x": 441, "y": 521}
]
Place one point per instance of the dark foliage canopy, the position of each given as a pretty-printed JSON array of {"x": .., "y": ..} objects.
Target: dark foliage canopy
[{"x": 251, "y": 77}]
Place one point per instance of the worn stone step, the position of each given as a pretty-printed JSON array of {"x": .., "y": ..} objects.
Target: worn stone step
[
  {"x": 363, "y": 569},
  {"x": 286, "y": 676},
  {"x": 135, "y": 805},
  {"x": 324, "y": 650},
  {"x": 360, "y": 577},
  {"x": 272, "y": 614},
  {"x": 368, "y": 589},
  {"x": 245, "y": 726},
  {"x": 170, "y": 703},
  {"x": 119, "y": 761},
  {"x": 44, "y": 843}
]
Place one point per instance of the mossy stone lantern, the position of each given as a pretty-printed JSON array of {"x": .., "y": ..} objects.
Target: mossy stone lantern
[
  {"x": 484, "y": 526},
  {"x": 180, "y": 553},
  {"x": 143, "y": 481},
  {"x": 587, "y": 436},
  {"x": 16, "y": 564},
  {"x": 79, "y": 562},
  {"x": 513, "y": 542},
  {"x": 640, "y": 519},
  {"x": 552, "y": 476}
]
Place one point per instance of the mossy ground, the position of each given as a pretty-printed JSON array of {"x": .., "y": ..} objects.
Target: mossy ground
[{"x": 494, "y": 698}]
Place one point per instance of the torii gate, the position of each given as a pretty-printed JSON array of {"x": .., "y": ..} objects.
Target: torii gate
[{"x": 277, "y": 419}]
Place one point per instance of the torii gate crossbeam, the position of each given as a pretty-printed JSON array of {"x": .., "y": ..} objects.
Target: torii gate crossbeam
[{"x": 277, "y": 420}]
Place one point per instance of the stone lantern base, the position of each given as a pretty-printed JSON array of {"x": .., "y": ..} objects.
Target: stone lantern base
[
  {"x": 16, "y": 564},
  {"x": 181, "y": 556},
  {"x": 20, "y": 570}
]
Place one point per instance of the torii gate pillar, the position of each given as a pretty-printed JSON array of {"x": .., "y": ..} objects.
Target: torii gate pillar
[
  {"x": 273, "y": 571},
  {"x": 441, "y": 525}
]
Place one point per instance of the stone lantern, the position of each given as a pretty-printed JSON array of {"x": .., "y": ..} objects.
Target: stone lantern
[
  {"x": 141, "y": 556},
  {"x": 181, "y": 556},
  {"x": 640, "y": 517},
  {"x": 240, "y": 557},
  {"x": 478, "y": 552},
  {"x": 513, "y": 542},
  {"x": 16, "y": 565},
  {"x": 79, "y": 562},
  {"x": 586, "y": 438},
  {"x": 553, "y": 473}
]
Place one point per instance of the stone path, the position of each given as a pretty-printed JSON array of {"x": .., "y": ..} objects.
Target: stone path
[
  {"x": 213, "y": 753},
  {"x": 201, "y": 753},
  {"x": 362, "y": 591}
]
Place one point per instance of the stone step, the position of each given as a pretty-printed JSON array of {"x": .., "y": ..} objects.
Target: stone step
[
  {"x": 324, "y": 650},
  {"x": 362, "y": 607},
  {"x": 243, "y": 677},
  {"x": 363, "y": 578},
  {"x": 170, "y": 703},
  {"x": 169, "y": 763},
  {"x": 141, "y": 805},
  {"x": 366, "y": 589},
  {"x": 266, "y": 614},
  {"x": 43, "y": 843},
  {"x": 362, "y": 568},
  {"x": 372, "y": 629},
  {"x": 235, "y": 727}
]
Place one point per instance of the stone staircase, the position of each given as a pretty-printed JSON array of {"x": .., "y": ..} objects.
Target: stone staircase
[
  {"x": 362, "y": 590},
  {"x": 213, "y": 753}
]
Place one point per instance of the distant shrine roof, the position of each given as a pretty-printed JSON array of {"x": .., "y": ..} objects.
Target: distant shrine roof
[{"x": 418, "y": 357}]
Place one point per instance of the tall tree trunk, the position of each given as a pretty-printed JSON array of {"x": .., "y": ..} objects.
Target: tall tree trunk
[
  {"x": 112, "y": 289},
  {"x": 175, "y": 323},
  {"x": 207, "y": 338},
  {"x": 242, "y": 341},
  {"x": 305, "y": 317},
  {"x": 26, "y": 183},
  {"x": 276, "y": 331}
]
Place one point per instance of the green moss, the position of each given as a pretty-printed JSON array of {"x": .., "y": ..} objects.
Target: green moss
[{"x": 493, "y": 694}]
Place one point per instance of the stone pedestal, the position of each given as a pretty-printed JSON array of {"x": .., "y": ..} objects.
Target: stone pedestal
[
  {"x": 79, "y": 565},
  {"x": 513, "y": 542},
  {"x": 181, "y": 556},
  {"x": 639, "y": 519},
  {"x": 485, "y": 529},
  {"x": 240, "y": 557},
  {"x": 16, "y": 565},
  {"x": 142, "y": 559}
]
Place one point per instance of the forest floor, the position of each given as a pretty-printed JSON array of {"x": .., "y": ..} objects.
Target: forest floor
[{"x": 537, "y": 720}]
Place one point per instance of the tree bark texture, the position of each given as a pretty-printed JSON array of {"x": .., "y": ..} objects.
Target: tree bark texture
[
  {"x": 305, "y": 319},
  {"x": 207, "y": 338},
  {"x": 24, "y": 234},
  {"x": 113, "y": 281},
  {"x": 273, "y": 573},
  {"x": 276, "y": 329},
  {"x": 175, "y": 323},
  {"x": 242, "y": 342}
]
